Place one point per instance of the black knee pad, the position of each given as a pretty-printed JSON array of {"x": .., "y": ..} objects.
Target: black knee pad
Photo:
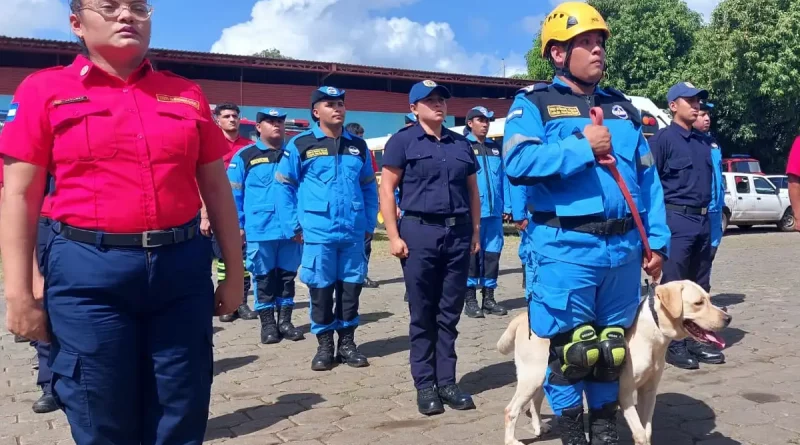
[
  {"x": 351, "y": 293},
  {"x": 286, "y": 283},
  {"x": 265, "y": 289},
  {"x": 322, "y": 305},
  {"x": 613, "y": 353},
  {"x": 491, "y": 264},
  {"x": 575, "y": 353}
]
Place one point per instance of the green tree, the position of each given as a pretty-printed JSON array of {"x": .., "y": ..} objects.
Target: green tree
[
  {"x": 271, "y": 53},
  {"x": 749, "y": 58},
  {"x": 538, "y": 67}
]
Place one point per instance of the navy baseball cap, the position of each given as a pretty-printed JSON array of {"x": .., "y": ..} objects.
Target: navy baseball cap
[
  {"x": 411, "y": 118},
  {"x": 423, "y": 89},
  {"x": 685, "y": 89},
  {"x": 480, "y": 111},
  {"x": 269, "y": 113},
  {"x": 706, "y": 105},
  {"x": 324, "y": 93}
]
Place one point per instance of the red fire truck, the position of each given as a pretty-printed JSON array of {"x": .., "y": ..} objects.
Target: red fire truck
[{"x": 741, "y": 164}]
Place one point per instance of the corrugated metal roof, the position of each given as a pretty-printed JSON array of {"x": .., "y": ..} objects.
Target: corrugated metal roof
[{"x": 64, "y": 47}]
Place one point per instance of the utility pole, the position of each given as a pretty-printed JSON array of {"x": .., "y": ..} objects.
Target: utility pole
[{"x": 504, "y": 67}]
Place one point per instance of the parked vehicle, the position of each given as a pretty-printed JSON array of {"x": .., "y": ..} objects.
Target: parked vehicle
[
  {"x": 751, "y": 199},
  {"x": 741, "y": 164},
  {"x": 782, "y": 183}
]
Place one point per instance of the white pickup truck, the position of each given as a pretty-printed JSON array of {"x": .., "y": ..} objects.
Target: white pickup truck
[{"x": 751, "y": 199}]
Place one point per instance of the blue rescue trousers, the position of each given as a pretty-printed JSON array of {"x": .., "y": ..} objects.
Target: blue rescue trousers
[
  {"x": 334, "y": 274},
  {"x": 132, "y": 354},
  {"x": 274, "y": 267},
  {"x": 564, "y": 296},
  {"x": 485, "y": 266}
]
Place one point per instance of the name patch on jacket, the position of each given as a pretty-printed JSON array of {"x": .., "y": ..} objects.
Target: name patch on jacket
[
  {"x": 315, "y": 152},
  {"x": 178, "y": 100},
  {"x": 74, "y": 100},
  {"x": 563, "y": 111},
  {"x": 259, "y": 161}
]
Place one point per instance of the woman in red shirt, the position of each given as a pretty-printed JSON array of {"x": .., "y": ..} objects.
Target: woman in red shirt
[{"x": 128, "y": 291}]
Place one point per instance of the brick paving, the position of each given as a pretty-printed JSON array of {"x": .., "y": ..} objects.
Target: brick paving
[{"x": 753, "y": 399}]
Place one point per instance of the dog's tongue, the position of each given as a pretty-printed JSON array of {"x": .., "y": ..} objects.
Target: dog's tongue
[{"x": 714, "y": 338}]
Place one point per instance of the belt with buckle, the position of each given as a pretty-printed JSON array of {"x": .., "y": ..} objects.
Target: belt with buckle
[
  {"x": 595, "y": 225},
  {"x": 438, "y": 220},
  {"x": 149, "y": 239},
  {"x": 46, "y": 220},
  {"x": 687, "y": 209}
]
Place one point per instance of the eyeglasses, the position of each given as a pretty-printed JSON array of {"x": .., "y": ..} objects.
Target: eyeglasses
[{"x": 112, "y": 10}]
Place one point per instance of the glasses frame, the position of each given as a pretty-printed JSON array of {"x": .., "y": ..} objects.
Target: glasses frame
[{"x": 120, "y": 7}]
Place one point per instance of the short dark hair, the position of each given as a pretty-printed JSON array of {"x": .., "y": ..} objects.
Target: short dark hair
[
  {"x": 354, "y": 128},
  {"x": 75, "y": 6},
  {"x": 226, "y": 106}
]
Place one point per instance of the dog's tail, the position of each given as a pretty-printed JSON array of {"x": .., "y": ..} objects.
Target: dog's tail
[{"x": 506, "y": 343}]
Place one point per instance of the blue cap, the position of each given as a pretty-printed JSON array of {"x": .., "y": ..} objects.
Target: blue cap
[
  {"x": 480, "y": 111},
  {"x": 423, "y": 89},
  {"x": 269, "y": 113},
  {"x": 325, "y": 92},
  {"x": 411, "y": 118},
  {"x": 685, "y": 89}
]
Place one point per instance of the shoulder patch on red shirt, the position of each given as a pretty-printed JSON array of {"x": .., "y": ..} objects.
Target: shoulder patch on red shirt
[{"x": 178, "y": 99}]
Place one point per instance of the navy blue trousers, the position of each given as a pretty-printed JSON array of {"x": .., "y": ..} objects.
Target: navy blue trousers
[
  {"x": 43, "y": 348},
  {"x": 132, "y": 355},
  {"x": 435, "y": 274},
  {"x": 690, "y": 249}
]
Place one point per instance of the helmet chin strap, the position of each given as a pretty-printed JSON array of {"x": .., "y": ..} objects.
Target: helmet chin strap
[{"x": 565, "y": 72}]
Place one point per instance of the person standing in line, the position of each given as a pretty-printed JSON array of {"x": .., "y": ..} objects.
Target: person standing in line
[
  {"x": 484, "y": 267},
  {"x": 435, "y": 170},
  {"x": 410, "y": 119},
  {"x": 228, "y": 117},
  {"x": 272, "y": 257},
  {"x": 686, "y": 165},
  {"x": 330, "y": 200},
  {"x": 128, "y": 294},
  {"x": 357, "y": 130},
  {"x": 586, "y": 255},
  {"x": 793, "y": 172}
]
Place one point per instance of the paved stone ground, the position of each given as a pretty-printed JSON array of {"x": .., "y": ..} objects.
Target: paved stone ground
[{"x": 753, "y": 399}]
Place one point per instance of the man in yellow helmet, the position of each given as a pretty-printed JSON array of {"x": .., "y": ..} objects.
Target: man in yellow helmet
[{"x": 585, "y": 254}]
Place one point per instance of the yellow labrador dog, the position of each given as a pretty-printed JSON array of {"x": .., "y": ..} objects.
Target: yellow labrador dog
[{"x": 675, "y": 311}]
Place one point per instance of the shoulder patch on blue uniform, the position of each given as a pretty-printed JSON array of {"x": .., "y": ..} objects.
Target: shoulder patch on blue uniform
[
  {"x": 286, "y": 153},
  {"x": 12, "y": 112},
  {"x": 231, "y": 165},
  {"x": 531, "y": 88},
  {"x": 616, "y": 92},
  {"x": 620, "y": 112},
  {"x": 514, "y": 113}
]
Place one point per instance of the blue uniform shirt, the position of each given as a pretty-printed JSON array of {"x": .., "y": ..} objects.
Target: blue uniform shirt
[
  {"x": 492, "y": 182},
  {"x": 683, "y": 159},
  {"x": 434, "y": 172},
  {"x": 546, "y": 150},
  {"x": 327, "y": 188},
  {"x": 717, "y": 193},
  {"x": 252, "y": 176}
]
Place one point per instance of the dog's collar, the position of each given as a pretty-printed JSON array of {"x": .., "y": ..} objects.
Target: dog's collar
[{"x": 651, "y": 301}]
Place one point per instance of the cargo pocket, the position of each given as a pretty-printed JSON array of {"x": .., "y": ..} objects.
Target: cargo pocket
[
  {"x": 308, "y": 273},
  {"x": 69, "y": 387},
  {"x": 548, "y": 306}
]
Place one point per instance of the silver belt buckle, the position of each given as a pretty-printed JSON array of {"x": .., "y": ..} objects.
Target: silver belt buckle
[
  {"x": 704, "y": 210},
  {"x": 146, "y": 240},
  {"x": 450, "y": 222}
]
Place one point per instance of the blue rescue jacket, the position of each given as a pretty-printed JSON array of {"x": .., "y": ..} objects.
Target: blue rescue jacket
[
  {"x": 717, "y": 194},
  {"x": 492, "y": 180},
  {"x": 252, "y": 176},
  {"x": 328, "y": 189},
  {"x": 545, "y": 149}
]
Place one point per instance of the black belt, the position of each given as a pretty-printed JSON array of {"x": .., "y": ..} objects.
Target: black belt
[
  {"x": 46, "y": 220},
  {"x": 596, "y": 225},
  {"x": 438, "y": 220},
  {"x": 687, "y": 209},
  {"x": 150, "y": 239}
]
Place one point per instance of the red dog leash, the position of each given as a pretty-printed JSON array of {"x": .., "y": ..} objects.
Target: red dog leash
[{"x": 608, "y": 161}]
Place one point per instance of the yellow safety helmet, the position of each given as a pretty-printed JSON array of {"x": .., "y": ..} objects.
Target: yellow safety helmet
[{"x": 570, "y": 19}]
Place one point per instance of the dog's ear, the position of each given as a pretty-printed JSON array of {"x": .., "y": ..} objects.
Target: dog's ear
[{"x": 671, "y": 297}]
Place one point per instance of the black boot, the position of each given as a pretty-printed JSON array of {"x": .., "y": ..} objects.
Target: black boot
[
  {"x": 285, "y": 326},
  {"x": 323, "y": 360},
  {"x": 269, "y": 330},
  {"x": 428, "y": 402},
  {"x": 704, "y": 353},
  {"x": 489, "y": 305},
  {"x": 570, "y": 424},
  {"x": 347, "y": 351},
  {"x": 245, "y": 313},
  {"x": 453, "y": 397},
  {"x": 46, "y": 403},
  {"x": 471, "y": 308},
  {"x": 678, "y": 355},
  {"x": 603, "y": 425}
]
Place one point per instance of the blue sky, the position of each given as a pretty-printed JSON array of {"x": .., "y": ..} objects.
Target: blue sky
[{"x": 463, "y": 36}]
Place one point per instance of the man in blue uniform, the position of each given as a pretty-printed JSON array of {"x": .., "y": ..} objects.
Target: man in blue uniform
[
  {"x": 272, "y": 257},
  {"x": 717, "y": 204},
  {"x": 686, "y": 167},
  {"x": 484, "y": 267},
  {"x": 586, "y": 263},
  {"x": 330, "y": 201}
]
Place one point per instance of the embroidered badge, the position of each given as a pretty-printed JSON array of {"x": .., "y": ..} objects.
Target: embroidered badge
[
  {"x": 74, "y": 100},
  {"x": 179, "y": 100},
  {"x": 562, "y": 111},
  {"x": 620, "y": 112}
]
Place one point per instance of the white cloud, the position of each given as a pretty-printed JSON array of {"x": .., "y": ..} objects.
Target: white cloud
[
  {"x": 23, "y": 18},
  {"x": 532, "y": 23},
  {"x": 353, "y": 31}
]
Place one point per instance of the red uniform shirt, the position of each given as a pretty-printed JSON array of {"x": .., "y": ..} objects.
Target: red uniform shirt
[
  {"x": 793, "y": 165},
  {"x": 124, "y": 153},
  {"x": 233, "y": 147}
]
